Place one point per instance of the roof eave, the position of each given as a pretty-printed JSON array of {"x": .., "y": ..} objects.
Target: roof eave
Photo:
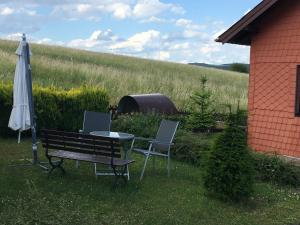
[{"x": 232, "y": 34}]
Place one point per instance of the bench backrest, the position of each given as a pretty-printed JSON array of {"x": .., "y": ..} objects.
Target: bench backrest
[{"x": 81, "y": 143}]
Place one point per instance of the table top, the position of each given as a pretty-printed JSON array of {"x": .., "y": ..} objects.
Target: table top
[{"x": 119, "y": 135}]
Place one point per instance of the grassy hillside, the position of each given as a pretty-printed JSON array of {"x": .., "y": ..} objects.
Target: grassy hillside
[{"x": 121, "y": 75}]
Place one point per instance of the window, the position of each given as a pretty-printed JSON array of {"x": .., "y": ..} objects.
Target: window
[{"x": 297, "y": 103}]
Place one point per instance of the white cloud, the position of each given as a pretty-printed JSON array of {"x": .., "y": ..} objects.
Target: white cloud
[
  {"x": 104, "y": 35},
  {"x": 82, "y": 8},
  {"x": 30, "y": 39},
  {"x": 97, "y": 39},
  {"x": 6, "y": 11},
  {"x": 13, "y": 36},
  {"x": 191, "y": 30},
  {"x": 153, "y": 44},
  {"x": 44, "y": 41},
  {"x": 183, "y": 22},
  {"x": 180, "y": 46},
  {"x": 140, "y": 41},
  {"x": 154, "y": 19},
  {"x": 148, "y": 8},
  {"x": 19, "y": 19},
  {"x": 209, "y": 48},
  {"x": 188, "y": 24},
  {"x": 119, "y": 10},
  {"x": 178, "y": 9},
  {"x": 156, "y": 45},
  {"x": 183, "y": 41},
  {"x": 164, "y": 55}
]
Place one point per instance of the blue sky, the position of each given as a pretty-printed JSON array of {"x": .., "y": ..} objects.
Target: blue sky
[{"x": 173, "y": 30}]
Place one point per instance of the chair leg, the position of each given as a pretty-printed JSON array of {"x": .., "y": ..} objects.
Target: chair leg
[
  {"x": 153, "y": 163},
  {"x": 77, "y": 164},
  {"x": 119, "y": 175},
  {"x": 127, "y": 171},
  {"x": 168, "y": 164},
  {"x": 95, "y": 169},
  {"x": 143, "y": 171}
]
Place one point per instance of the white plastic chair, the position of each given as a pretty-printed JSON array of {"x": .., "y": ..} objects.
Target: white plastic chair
[{"x": 161, "y": 145}]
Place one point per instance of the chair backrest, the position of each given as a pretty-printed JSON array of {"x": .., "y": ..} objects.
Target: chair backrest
[
  {"x": 96, "y": 121},
  {"x": 166, "y": 132}
]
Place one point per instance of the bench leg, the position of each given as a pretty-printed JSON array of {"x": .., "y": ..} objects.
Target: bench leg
[
  {"x": 56, "y": 165},
  {"x": 119, "y": 175}
]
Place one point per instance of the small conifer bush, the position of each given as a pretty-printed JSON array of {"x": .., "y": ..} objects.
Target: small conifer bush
[
  {"x": 202, "y": 116},
  {"x": 229, "y": 170}
]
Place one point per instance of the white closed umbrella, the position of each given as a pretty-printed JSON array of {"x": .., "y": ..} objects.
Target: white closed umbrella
[{"x": 20, "y": 114}]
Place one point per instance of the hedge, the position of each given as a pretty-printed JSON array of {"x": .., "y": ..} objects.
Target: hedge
[
  {"x": 272, "y": 168},
  {"x": 55, "y": 108}
]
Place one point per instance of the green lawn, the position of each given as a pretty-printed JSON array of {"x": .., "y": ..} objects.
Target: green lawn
[{"x": 28, "y": 197}]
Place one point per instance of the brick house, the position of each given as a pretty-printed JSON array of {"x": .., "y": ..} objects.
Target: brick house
[{"x": 272, "y": 29}]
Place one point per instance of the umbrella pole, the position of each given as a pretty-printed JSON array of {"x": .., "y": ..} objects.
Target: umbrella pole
[{"x": 31, "y": 103}]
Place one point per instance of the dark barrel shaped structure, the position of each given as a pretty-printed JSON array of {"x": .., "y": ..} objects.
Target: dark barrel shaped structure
[{"x": 147, "y": 103}]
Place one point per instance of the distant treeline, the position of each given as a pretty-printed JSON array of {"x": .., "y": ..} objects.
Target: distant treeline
[{"x": 237, "y": 67}]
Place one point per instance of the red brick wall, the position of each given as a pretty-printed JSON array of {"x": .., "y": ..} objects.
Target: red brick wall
[{"x": 275, "y": 54}]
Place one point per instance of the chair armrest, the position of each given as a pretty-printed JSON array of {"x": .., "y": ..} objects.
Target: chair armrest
[
  {"x": 143, "y": 139},
  {"x": 161, "y": 143}
]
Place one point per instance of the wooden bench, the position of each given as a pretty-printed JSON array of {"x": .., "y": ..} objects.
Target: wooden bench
[{"x": 82, "y": 147}]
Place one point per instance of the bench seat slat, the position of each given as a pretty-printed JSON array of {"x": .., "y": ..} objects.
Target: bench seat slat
[
  {"x": 81, "y": 150},
  {"x": 90, "y": 158}
]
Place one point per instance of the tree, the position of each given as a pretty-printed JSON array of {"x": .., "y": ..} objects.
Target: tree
[
  {"x": 229, "y": 170},
  {"x": 202, "y": 116}
]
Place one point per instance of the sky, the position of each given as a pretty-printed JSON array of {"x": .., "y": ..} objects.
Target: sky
[{"x": 170, "y": 30}]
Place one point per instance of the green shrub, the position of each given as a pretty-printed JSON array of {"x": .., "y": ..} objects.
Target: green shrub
[
  {"x": 189, "y": 147},
  {"x": 55, "y": 108},
  {"x": 5, "y": 107},
  {"x": 143, "y": 125},
  {"x": 192, "y": 148},
  {"x": 229, "y": 170},
  {"x": 202, "y": 115},
  {"x": 272, "y": 168}
]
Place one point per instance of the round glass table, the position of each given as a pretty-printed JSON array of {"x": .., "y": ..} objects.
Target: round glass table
[{"x": 119, "y": 135}]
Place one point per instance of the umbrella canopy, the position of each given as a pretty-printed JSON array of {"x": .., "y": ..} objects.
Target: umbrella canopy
[{"x": 20, "y": 114}]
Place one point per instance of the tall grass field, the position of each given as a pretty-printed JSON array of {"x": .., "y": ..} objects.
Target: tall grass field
[{"x": 123, "y": 75}]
